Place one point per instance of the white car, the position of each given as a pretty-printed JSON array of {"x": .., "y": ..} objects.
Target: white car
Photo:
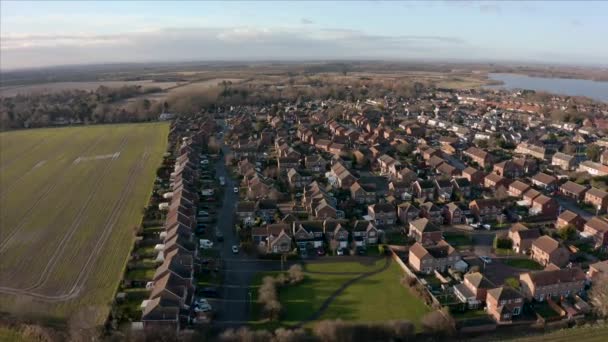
[
  {"x": 236, "y": 190},
  {"x": 202, "y": 307},
  {"x": 235, "y": 249},
  {"x": 205, "y": 244},
  {"x": 487, "y": 226},
  {"x": 485, "y": 259}
]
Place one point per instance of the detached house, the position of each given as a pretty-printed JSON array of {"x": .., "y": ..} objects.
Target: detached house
[
  {"x": 545, "y": 181},
  {"x": 545, "y": 206},
  {"x": 479, "y": 156},
  {"x": 308, "y": 234},
  {"x": 431, "y": 212},
  {"x": 365, "y": 233},
  {"x": 427, "y": 259},
  {"x": 493, "y": 181},
  {"x": 564, "y": 161},
  {"x": 542, "y": 285},
  {"x": 363, "y": 193},
  {"x": 336, "y": 235},
  {"x": 444, "y": 189},
  {"x": 569, "y": 218},
  {"x": 518, "y": 188},
  {"x": 473, "y": 175},
  {"x": 453, "y": 214},
  {"x": 462, "y": 186},
  {"x": 407, "y": 212},
  {"x": 424, "y": 189},
  {"x": 382, "y": 214},
  {"x": 546, "y": 250}
]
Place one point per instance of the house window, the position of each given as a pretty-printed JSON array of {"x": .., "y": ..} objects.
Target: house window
[{"x": 516, "y": 311}]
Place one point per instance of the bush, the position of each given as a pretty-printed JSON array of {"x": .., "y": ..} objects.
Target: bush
[
  {"x": 268, "y": 297},
  {"x": 439, "y": 322},
  {"x": 346, "y": 331},
  {"x": 296, "y": 275}
]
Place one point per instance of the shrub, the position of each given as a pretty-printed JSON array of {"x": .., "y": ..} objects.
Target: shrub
[{"x": 296, "y": 275}]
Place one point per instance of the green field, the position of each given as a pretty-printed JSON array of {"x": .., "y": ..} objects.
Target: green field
[
  {"x": 379, "y": 297},
  {"x": 523, "y": 263},
  {"x": 583, "y": 334},
  {"x": 71, "y": 199}
]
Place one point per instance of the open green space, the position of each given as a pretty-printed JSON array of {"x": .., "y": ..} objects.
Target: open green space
[
  {"x": 523, "y": 263},
  {"x": 596, "y": 333},
  {"x": 379, "y": 297},
  {"x": 457, "y": 239},
  {"x": 73, "y": 197}
]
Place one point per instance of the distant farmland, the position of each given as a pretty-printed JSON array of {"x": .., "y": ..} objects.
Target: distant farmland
[{"x": 70, "y": 199}]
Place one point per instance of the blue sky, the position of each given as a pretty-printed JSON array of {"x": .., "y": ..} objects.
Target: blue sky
[{"x": 79, "y": 32}]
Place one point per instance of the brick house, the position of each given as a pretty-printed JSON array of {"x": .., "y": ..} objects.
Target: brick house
[
  {"x": 424, "y": 189},
  {"x": 493, "y": 181},
  {"x": 503, "y": 303},
  {"x": 486, "y": 209},
  {"x": 573, "y": 190},
  {"x": 544, "y": 181},
  {"x": 364, "y": 233},
  {"x": 382, "y": 214},
  {"x": 541, "y": 285},
  {"x": 407, "y": 212},
  {"x": 424, "y": 231},
  {"x": 518, "y": 188},
  {"x": 363, "y": 193},
  {"x": 444, "y": 189},
  {"x": 567, "y": 218},
  {"x": 431, "y": 212},
  {"x": 597, "y": 270},
  {"x": 546, "y": 250},
  {"x": 545, "y": 206},
  {"x": 315, "y": 164},
  {"x": 453, "y": 214},
  {"x": 462, "y": 186},
  {"x": 473, "y": 175},
  {"x": 597, "y": 229},
  {"x": 479, "y": 156},
  {"x": 597, "y": 198},
  {"x": 529, "y": 196},
  {"x": 564, "y": 161},
  {"x": 473, "y": 289},
  {"x": 522, "y": 237},
  {"x": 439, "y": 257},
  {"x": 508, "y": 169},
  {"x": 336, "y": 234}
]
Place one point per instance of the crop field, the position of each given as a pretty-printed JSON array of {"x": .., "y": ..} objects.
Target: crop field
[
  {"x": 8, "y": 91},
  {"x": 70, "y": 200}
]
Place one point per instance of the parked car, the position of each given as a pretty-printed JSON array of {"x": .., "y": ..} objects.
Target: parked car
[
  {"x": 219, "y": 236},
  {"x": 236, "y": 190},
  {"x": 486, "y": 259},
  {"x": 205, "y": 244},
  {"x": 340, "y": 251},
  {"x": 222, "y": 181},
  {"x": 235, "y": 249},
  {"x": 320, "y": 252},
  {"x": 487, "y": 226}
]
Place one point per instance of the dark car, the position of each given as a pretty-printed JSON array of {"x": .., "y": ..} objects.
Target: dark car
[
  {"x": 219, "y": 236},
  {"x": 320, "y": 252}
]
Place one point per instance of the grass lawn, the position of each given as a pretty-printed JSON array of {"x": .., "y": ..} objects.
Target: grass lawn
[
  {"x": 504, "y": 252},
  {"x": 141, "y": 274},
  {"x": 457, "y": 239},
  {"x": 523, "y": 263},
  {"x": 396, "y": 238},
  {"x": 544, "y": 310},
  {"x": 74, "y": 197},
  {"x": 380, "y": 297},
  {"x": 377, "y": 298}
]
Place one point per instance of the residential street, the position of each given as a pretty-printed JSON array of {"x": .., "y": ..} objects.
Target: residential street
[{"x": 567, "y": 204}]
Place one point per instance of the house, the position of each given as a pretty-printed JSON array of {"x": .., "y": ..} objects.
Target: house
[
  {"x": 308, "y": 234},
  {"x": 486, "y": 210},
  {"x": 541, "y": 285},
  {"x": 424, "y": 231},
  {"x": 518, "y": 188},
  {"x": 546, "y": 250},
  {"x": 493, "y": 181},
  {"x": 245, "y": 211},
  {"x": 462, "y": 186},
  {"x": 267, "y": 209},
  {"x": 447, "y": 170},
  {"x": 533, "y": 150},
  {"x": 597, "y": 198},
  {"x": 382, "y": 214},
  {"x": 424, "y": 189},
  {"x": 388, "y": 165},
  {"x": 544, "y": 181},
  {"x": 569, "y": 218},
  {"x": 344, "y": 178},
  {"x": 597, "y": 270},
  {"x": 479, "y": 156},
  {"x": 508, "y": 169},
  {"x": 545, "y": 206},
  {"x": 503, "y": 303},
  {"x": 431, "y": 212},
  {"x": 597, "y": 229},
  {"x": 473, "y": 289},
  {"x": 298, "y": 179},
  {"x": 325, "y": 210},
  {"x": 564, "y": 161},
  {"x": 400, "y": 190},
  {"x": 365, "y": 233},
  {"x": 573, "y": 190},
  {"x": 474, "y": 176},
  {"x": 407, "y": 212},
  {"x": 162, "y": 317},
  {"x": 592, "y": 168},
  {"x": 440, "y": 257},
  {"x": 529, "y": 196},
  {"x": 336, "y": 235},
  {"x": 522, "y": 237},
  {"x": 444, "y": 189},
  {"x": 453, "y": 214},
  {"x": 274, "y": 238},
  {"x": 286, "y": 163},
  {"x": 315, "y": 163},
  {"x": 363, "y": 193},
  {"x": 528, "y": 165}
]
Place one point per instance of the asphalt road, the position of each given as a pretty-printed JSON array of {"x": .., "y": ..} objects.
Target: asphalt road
[{"x": 233, "y": 309}]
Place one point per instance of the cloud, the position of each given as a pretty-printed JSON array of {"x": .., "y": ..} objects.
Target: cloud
[
  {"x": 216, "y": 43},
  {"x": 306, "y": 21}
]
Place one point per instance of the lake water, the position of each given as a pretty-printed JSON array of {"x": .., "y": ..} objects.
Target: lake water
[{"x": 572, "y": 87}]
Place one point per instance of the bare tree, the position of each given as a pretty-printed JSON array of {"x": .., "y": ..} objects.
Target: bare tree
[
  {"x": 296, "y": 274},
  {"x": 439, "y": 322},
  {"x": 599, "y": 296}
]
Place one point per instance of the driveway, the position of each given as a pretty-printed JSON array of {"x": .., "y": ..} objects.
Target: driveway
[{"x": 570, "y": 205}]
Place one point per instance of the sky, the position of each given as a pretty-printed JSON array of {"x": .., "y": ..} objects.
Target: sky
[{"x": 47, "y": 33}]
